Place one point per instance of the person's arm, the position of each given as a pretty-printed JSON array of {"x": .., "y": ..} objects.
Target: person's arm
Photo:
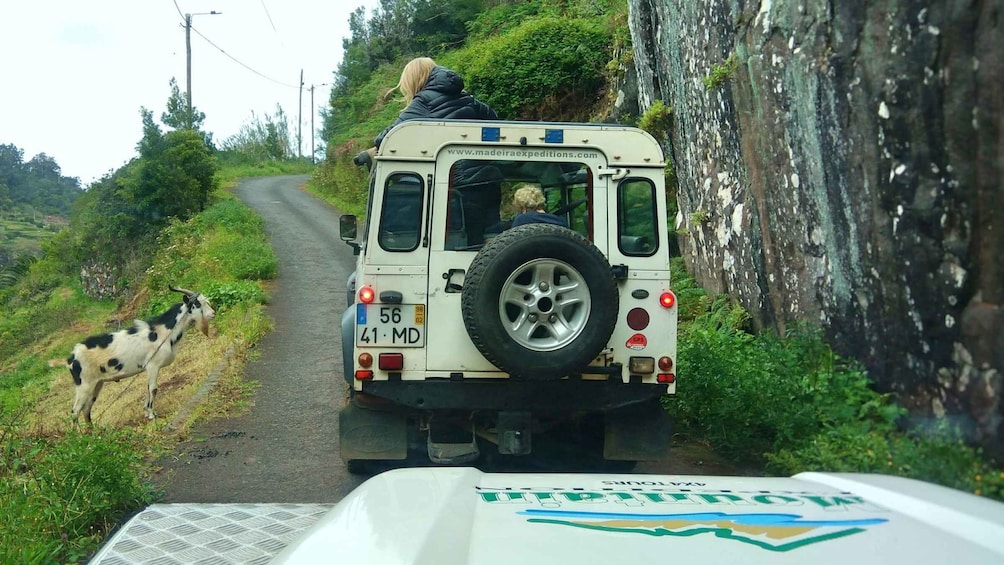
[{"x": 485, "y": 110}]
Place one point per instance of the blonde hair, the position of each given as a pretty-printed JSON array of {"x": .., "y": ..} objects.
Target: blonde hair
[
  {"x": 413, "y": 77},
  {"x": 528, "y": 197}
]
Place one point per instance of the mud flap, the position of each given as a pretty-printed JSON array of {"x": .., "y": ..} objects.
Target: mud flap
[
  {"x": 371, "y": 434},
  {"x": 642, "y": 432}
]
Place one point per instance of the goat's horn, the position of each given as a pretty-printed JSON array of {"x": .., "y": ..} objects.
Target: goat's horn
[{"x": 181, "y": 290}]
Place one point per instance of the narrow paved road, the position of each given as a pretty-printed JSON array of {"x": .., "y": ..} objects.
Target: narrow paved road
[{"x": 286, "y": 448}]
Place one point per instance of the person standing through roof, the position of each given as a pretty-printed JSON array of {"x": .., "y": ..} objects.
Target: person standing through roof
[
  {"x": 434, "y": 92},
  {"x": 529, "y": 200}
]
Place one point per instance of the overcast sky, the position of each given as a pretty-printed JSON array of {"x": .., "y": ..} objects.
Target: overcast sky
[{"x": 74, "y": 73}]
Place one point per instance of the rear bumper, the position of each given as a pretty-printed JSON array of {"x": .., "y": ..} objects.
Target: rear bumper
[{"x": 507, "y": 394}]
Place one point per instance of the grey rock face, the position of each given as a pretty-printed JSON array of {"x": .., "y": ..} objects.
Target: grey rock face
[{"x": 849, "y": 173}]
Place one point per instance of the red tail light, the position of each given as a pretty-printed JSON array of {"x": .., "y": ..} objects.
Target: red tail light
[
  {"x": 668, "y": 378},
  {"x": 364, "y": 375},
  {"x": 665, "y": 363},
  {"x": 365, "y": 360},
  {"x": 391, "y": 361},
  {"x": 667, "y": 300},
  {"x": 366, "y": 294}
]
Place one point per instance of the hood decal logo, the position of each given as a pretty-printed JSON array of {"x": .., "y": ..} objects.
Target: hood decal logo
[{"x": 773, "y": 532}]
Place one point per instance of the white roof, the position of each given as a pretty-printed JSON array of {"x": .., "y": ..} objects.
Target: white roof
[
  {"x": 443, "y": 516},
  {"x": 419, "y": 140}
]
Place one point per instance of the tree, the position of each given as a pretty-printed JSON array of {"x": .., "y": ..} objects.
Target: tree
[
  {"x": 38, "y": 184},
  {"x": 44, "y": 167},
  {"x": 173, "y": 176},
  {"x": 177, "y": 115},
  {"x": 265, "y": 138},
  {"x": 5, "y": 201}
]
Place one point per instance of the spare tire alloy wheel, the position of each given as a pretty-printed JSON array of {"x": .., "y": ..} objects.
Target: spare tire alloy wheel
[
  {"x": 539, "y": 301},
  {"x": 544, "y": 304}
]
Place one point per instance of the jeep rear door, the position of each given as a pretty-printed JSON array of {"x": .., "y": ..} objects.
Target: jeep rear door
[{"x": 463, "y": 215}]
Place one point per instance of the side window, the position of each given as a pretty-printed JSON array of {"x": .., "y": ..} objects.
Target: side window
[
  {"x": 401, "y": 214},
  {"x": 637, "y": 221}
]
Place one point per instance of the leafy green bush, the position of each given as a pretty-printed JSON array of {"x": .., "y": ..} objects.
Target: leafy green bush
[
  {"x": 226, "y": 244},
  {"x": 752, "y": 395},
  {"x": 225, "y": 295},
  {"x": 339, "y": 182},
  {"x": 229, "y": 214},
  {"x": 656, "y": 121},
  {"x": 61, "y": 495},
  {"x": 857, "y": 446},
  {"x": 721, "y": 72},
  {"x": 546, "y": 67}
]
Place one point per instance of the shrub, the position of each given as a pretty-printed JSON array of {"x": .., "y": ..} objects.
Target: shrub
[
  {"x": 340, "y": 182},
  {"x": 546, "y": 68},
  {"x": 223, "y": 296},
  {"x": 61, "y": 495},
  {"x": 752, "y": 395},
  {"x": 856, "y": 446},
  {"x": 656, "y": 121},
  {"x": 721, "y": 73},
  {"x": 225, "y": 245}
]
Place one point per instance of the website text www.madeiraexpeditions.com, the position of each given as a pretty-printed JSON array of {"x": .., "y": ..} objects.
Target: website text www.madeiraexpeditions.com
[{"x": 519, "y": 153}]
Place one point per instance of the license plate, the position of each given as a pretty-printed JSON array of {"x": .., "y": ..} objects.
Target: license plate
[{"x": 390, "y": 325}]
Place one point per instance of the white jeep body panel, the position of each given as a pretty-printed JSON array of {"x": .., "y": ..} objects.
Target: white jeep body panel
[{"x": 461, "y": 516}]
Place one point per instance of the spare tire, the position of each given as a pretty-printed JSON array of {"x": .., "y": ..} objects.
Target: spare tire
[{"x": 539, "y": 301}]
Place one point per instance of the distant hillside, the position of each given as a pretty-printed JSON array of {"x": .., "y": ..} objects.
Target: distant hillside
[{"x": 33, "y": 188}]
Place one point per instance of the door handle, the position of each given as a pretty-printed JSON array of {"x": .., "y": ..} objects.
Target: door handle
[{"x": 452, "y": 287}]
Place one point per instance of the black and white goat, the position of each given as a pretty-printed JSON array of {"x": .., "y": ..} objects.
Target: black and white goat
[{"x": 147, "y": 345}]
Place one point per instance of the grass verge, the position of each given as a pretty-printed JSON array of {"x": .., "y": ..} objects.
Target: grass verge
[{"x": 64, "y": 489}]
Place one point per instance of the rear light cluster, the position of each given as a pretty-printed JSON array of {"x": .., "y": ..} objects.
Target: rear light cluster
[
  {"x": 638, "y": 319},
  {"x": 646, "y": 366},
  {"x": 665, "y": 366},
  {"x": 385, "y": 362}
]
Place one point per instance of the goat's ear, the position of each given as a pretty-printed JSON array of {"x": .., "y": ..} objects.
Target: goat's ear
[{"x": 186, "y": 299}]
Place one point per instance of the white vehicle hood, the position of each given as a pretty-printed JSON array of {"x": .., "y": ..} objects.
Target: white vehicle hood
[{"x": 444, "y": 516}]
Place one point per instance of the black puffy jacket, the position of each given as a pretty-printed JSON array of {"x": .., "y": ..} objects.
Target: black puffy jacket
[{"x": 442, "y": 97}]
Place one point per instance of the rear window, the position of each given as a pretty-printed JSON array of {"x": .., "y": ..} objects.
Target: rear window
[
  {"x": 481, "y": 197},
  {"x": 401, "y": 213},
  {"x": 637, "y": 223}
]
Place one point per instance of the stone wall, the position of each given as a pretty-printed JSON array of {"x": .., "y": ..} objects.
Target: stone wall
[
  {"x": 848, "y": 173},
  {"x": 99, "y": 281}
]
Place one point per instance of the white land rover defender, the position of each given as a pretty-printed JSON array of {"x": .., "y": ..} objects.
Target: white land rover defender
[{"x": 460, "y": 327}]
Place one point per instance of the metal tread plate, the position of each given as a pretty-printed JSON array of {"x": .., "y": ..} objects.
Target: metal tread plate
[{"x": 208, "y": 534}]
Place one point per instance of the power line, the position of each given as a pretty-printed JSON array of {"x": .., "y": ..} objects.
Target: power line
[
  {"x": 269, "y": 17},
  {"x": 183, "y": 20},
  {"x": 234, "y": 59}
]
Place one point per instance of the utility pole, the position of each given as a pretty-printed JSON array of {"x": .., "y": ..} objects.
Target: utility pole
[
  {"x": 313, "y": 134},
  {"x": 312, "y": 150},
  {"x": 299, "y": 121},
  {"x": 188, "y": 54}
]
